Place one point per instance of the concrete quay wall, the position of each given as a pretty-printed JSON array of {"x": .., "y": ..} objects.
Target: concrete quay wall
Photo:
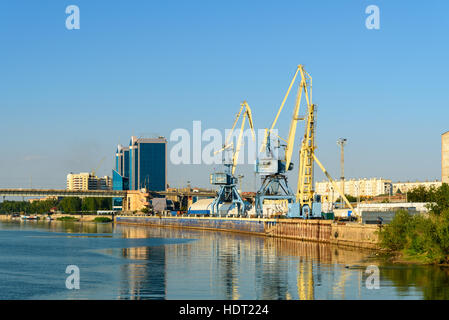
[{"x": 325, "y": 231}]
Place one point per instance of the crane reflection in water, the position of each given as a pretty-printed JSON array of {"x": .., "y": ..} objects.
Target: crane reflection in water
[{"x": 234, "y": 266}]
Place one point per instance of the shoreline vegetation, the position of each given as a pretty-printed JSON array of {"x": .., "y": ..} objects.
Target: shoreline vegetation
[
  {"x": 420, "y": 238},
  {"x": 66, "y": 205}
]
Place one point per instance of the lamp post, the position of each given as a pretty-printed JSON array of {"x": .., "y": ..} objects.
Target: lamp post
[{"x": 342, "y": 142}]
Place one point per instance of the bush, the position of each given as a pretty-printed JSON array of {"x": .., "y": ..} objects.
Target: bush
[
  {"x": 102, "y": 219},
  {"x": 394, "y": 236},
  {"x": 418, "y": 237},
  {"x": 67, "y": 219}
]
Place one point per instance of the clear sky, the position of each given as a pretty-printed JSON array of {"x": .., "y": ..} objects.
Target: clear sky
[{"x": 68, "y": 97}]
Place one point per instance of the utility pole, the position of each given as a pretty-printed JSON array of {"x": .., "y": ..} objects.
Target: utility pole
[
  {"x": 358, "y": 197},
  {"x": 341, "y": 142}
]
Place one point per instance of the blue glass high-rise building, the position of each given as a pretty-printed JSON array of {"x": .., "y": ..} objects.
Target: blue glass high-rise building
[
  {"x": 148, "y": 164},
  {"x": 120, "y": 175},
  {"x": 141, "y": 165}
]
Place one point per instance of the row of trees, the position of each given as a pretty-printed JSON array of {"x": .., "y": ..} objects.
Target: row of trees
[
  {"x": 438, "y": 198},
  {"x": 25, "y": 206},
  {"x": 67, "y": 205}
]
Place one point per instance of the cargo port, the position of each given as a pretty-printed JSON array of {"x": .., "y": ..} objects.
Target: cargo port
[
  {"x": 140, "y": 194},
  {"x": 274, "y": 210}
]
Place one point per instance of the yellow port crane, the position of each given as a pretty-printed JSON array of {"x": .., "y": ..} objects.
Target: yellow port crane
[
  {"x": 272, "y": 169},
  {"x": 307, "y": 157},
  {"x": 274, "y": 184}
]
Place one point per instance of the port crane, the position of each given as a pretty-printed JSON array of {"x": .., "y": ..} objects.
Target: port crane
[
  {"x": 270, "y": 167},
  {"x": 303, "y": 203},
  {"x": 228, "y": 196}
]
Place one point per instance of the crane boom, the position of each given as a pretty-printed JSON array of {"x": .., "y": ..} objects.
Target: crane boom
[
  {"x": 247, "y": 114},
  {"x": 267, "y": 132},
  {"x": 303, "y": 87},
  {"x": 333, "y": 182}
]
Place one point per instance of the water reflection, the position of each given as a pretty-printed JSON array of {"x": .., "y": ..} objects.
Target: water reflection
[
  {"x": 234, "y": 266},
  {"x": 130, "y": 262},
  {"x": 144, "y": 280},
  {"x": 433, "y": 281},
  {"x": 60, "y": 226}
]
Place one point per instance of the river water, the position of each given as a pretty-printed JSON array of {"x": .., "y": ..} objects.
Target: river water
[{"x": 129, "y": 262}]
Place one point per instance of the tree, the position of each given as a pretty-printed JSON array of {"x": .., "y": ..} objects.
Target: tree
[
  {"x": 422, "y": 194},
  {"x": 70, "y": 204},
  {"x": 440, "y": 199},
  {"x": 89, "y": 204}
]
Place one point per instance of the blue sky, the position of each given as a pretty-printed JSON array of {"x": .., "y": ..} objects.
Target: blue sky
[{"x": 68, "y": 97}]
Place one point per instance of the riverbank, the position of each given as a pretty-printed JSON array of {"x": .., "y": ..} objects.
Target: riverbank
[{"x": 325, "y": 231}]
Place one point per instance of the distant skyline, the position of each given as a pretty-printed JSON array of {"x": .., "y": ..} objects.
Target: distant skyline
[{"x": 69, "y": 97}]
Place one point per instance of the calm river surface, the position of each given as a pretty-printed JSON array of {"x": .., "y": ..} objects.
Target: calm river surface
[{"x": 127, "y": 262}]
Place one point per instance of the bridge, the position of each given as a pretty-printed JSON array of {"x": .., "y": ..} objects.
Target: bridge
[
  {"x": 205, "y": 194},
  {"x": 185, "y": 197},
  {"x": 95, "y": 193}
]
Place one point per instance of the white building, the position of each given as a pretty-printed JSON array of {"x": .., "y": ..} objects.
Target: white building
[
  {"x": 361, "y": 187},
  {"x": 88, "y": 181},
  {"x": 405, "y": 187}
]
